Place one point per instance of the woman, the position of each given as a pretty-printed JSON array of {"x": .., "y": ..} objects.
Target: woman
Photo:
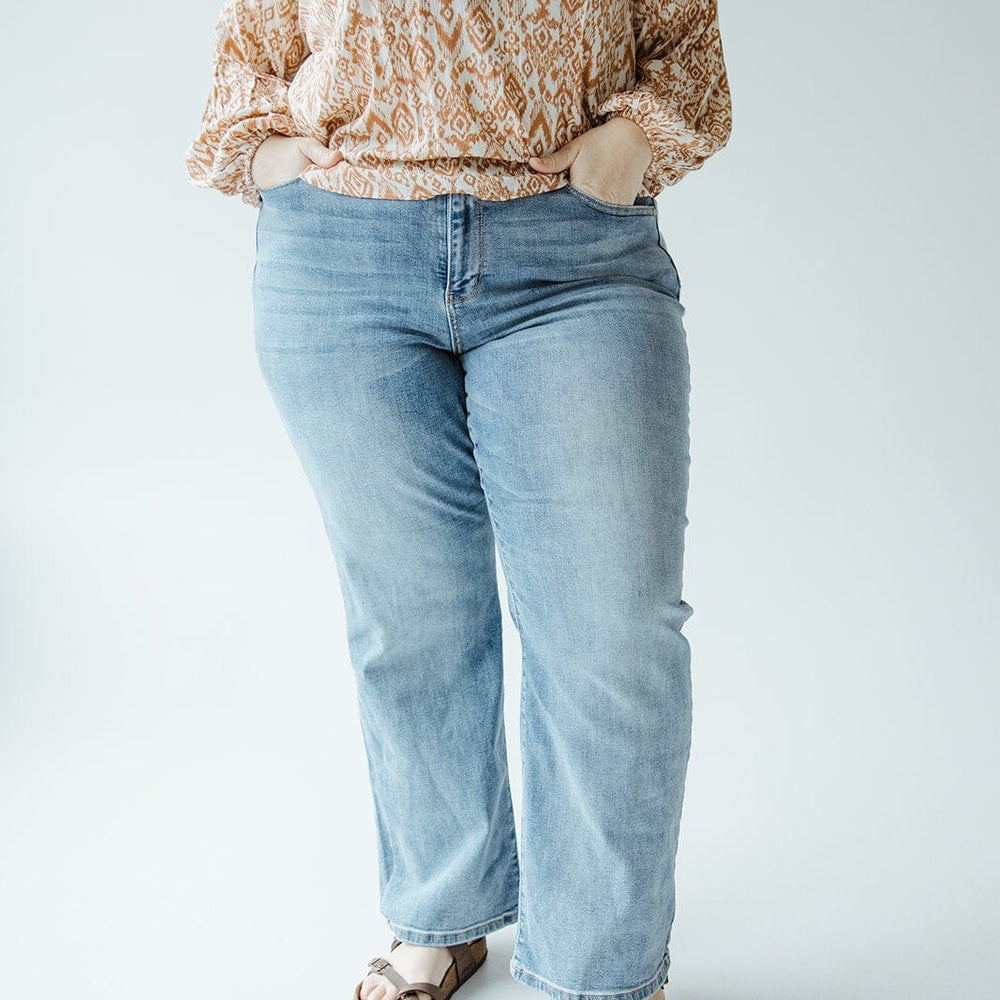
[{"x": 471, "y": 326}]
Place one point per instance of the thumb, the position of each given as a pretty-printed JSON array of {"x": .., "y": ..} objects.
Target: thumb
[
  {"x": 553, "y": 162},
  {"x": 320, "y": 153}
]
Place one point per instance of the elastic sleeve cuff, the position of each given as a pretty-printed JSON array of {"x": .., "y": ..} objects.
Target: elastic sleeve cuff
[
  {"x": 228, "y": 168},
  {"x": 676, "y": 148}
]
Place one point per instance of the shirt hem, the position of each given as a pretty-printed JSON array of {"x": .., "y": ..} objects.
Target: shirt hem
[{"x": 489, "y": 180}]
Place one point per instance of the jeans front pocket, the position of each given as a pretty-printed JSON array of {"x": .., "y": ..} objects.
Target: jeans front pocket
[{"x": 643, "y": 204}]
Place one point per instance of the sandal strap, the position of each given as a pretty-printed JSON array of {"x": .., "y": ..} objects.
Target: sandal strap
[
  {"x": 385, "y": 968},
  {"x": 435, "y": 991},
  {"x": 465, "y": 959}
]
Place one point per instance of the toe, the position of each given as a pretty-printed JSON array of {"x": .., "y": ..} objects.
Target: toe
[{"x": 381, "y": 988}]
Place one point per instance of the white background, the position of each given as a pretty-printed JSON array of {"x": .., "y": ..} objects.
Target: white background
[{"x": 183, "y": 796}]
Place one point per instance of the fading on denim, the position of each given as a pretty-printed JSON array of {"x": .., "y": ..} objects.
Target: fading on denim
[{"x": 463, "y": 379}]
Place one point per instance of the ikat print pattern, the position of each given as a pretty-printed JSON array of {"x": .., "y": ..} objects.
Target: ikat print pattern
[{"x": 424, "y": 97}]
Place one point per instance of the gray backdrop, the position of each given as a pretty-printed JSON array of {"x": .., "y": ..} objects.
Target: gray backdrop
[{"x": 185, "y": 810}]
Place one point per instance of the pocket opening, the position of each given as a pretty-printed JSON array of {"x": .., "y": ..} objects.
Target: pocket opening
[{"x": 643, "y": 205}]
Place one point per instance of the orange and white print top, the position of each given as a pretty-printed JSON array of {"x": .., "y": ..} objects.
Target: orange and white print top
[{"x": 424, "y": 97}]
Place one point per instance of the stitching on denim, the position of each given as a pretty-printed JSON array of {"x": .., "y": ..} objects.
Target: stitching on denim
[
  {"x": 522, "y": 722},
  {"x": 515, "y": 607},
  {"x": 449, "y": 298},
  {"x": 514, "y": 869},
  {"x": 608, "y": 207},
  {"x": 522, "y": 974},
  {"x": 522, "y": 715},
  {"x": 461, "y": 930},
  {"x": 481, "y": 249},
  {"x": 456, "y": 337}
]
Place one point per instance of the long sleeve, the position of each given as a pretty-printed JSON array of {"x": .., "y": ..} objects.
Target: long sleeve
[
  {"x": 259, "y": 46},
  {"x": 681, "y": 97}
]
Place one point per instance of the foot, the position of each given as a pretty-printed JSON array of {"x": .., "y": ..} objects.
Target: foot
[{"x": 416, "y": 963}]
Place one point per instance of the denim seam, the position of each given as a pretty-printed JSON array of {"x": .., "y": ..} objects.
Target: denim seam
[
  {"x": 514, "y": 871},
  {"x": 474, "y": 930},
  {"x": 449, "y": 299},
  {"x": 514, "y": 866},
  {"x": 482, "y": 257},
  {"x": 515, "y": 612},
  {"x": 505, "y": 562},
  {"x": 608, "y": 207},
  {"x": 456, "y": 337},
  {"x": 550, "y": 989},
  {"x": 522, "y": 923}
]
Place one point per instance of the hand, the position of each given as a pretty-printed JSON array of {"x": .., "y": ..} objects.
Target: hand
[
  {"x": 607, "y": 161},
  {"x": 281, "y": 158}
]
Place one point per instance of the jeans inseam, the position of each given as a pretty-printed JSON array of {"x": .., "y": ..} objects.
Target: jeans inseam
[
  {"x": 515, "y": 869},
  {"x": 515, "y": 607},
  {"x": 515, "y": 613},
  {"x": 517, "y": 970},
  {"x": 525, "y": 739}
]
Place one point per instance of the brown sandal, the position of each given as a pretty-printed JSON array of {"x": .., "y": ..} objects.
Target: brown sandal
[{"x": 466, "y": 959}]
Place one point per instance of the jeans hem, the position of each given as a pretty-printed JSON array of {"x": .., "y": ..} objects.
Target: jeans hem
[
  {"x": 643, "y": 992},
  {"x": 413, "y": 935}
]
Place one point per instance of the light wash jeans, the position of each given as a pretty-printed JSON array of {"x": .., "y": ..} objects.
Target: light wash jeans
[{"x": 457, "y": 374}]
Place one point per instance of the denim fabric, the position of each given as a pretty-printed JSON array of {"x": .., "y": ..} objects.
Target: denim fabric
[{"x": 462, "y": 378}]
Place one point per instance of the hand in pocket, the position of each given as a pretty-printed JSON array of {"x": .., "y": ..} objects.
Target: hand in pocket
[
  {"x": 281, "y": 158},
  {"x": 608, "y": 161}
]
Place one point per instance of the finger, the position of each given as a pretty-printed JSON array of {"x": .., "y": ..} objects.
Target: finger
[
  {"x": 320, "y": 153},
  {"x": 553, "y": 162}
]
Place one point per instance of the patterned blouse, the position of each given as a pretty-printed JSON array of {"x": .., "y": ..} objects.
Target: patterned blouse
[{"x": 423, "y": 97}]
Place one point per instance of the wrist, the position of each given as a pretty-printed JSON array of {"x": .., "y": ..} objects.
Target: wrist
[{"x": 636, "y": 131}]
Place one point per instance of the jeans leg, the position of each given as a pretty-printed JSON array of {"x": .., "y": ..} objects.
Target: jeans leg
[
  {"x": 580, "y": 427},
  {"x": 376, "y": 415}
]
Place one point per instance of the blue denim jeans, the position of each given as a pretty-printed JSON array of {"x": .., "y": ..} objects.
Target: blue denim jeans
[{"x": 463, "y": 378}]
